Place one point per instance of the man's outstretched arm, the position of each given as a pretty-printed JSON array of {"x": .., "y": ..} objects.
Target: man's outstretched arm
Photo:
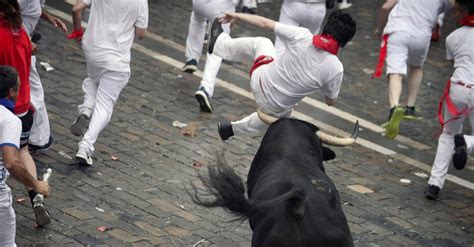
[{"x": 254, "y": 20}]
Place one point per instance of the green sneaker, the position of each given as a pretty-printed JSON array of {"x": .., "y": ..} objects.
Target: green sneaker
[
  {"x": 412, "y": 113},
  {"x": 392, "y": 127}
]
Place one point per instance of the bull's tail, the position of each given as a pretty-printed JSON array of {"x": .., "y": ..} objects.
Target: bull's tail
[{"x": 230, "y": 193}]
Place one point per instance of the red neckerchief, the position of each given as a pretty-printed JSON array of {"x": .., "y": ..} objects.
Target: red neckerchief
[
  {"x": 326, "y": 42},
  {"x": 468, "y": 21}
]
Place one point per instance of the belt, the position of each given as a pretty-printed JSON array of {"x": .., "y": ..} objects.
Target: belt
[{"x": 470, "y": 86}]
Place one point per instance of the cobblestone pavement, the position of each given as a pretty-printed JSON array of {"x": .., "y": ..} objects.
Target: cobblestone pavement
[{"x": 136, "y": 188}]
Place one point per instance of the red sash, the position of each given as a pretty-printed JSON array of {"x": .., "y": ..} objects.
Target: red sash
[
  {"x": 382, "y": 56},
  {"x": 455, "y": 113},
  {"x": 326, "y": 42},
  {"x": 468, "y": 21},
  {"x": 259, "y": 61}
]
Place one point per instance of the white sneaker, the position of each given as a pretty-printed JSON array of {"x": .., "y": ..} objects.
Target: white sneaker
[
  {"x": 344, "y": 4},
  {"x": 41, "y": 214},
  {"x": 84, "y": 156}
]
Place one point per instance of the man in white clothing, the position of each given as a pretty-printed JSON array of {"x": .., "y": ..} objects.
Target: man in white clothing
[
  {"x": 310, "y": 63},
  {"x": 112, "y": 26},
  {"x": 458, "y": 99},
  {"x": 204, "y": 10}
]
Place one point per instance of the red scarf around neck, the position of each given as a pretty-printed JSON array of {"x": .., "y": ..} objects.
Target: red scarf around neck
[
  {"x": 326, "y": 42},
  {"x": 468, "y": 21}
]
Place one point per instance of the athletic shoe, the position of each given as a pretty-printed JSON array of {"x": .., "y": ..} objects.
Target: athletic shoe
[
  {"x": 392, "y": 127},
  {"x": 460, "y": 152},
  {"x": 80, "y": 125},
  {"x": 411, "y": 113},
  {"x": 344, "y": 4},
  {"x": 41, "y": 214},
  {"x": 84, "y": 156},
  {"x": 214, "y": 31},
  {"x": 34, "y": 148},
  {"x": 190, "y": 66},
  {"x": 432, "y": 192},
  {"x": 203, "y": 99},
  {"x": 247, "y": 10},
  {"x": 225, "y": 130}
]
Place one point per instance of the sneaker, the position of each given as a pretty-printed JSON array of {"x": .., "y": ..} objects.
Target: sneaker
[
  {"x": 344, "y": 4},
  {"x": 190, "y": 66},
  {"x": 460, "y": 152},
  {"x": 80, "y": 125},
  {"x": 34, "y": 148},
  {"x": 392, "y": 127},
  {"x": 214, "y": 31},
  {"x": 247, "y": 10},
  {"x": 84, "y": 156},
  {"x": 225, "y": 130},
  {"x": 432, "y": 192},
  {"x": 411, "y": 113},
  {"x": 203, "y": 99},
  {"x": 41, "y": 214}
]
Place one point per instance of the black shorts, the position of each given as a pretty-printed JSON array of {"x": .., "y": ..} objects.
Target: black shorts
[{"x": 26, "y": 124}]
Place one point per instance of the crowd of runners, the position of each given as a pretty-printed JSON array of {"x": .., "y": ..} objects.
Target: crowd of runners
[{"x": 302, "y": 60}]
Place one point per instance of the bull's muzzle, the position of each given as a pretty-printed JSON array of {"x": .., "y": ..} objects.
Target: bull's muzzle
[{"x": 325, "y": 138}]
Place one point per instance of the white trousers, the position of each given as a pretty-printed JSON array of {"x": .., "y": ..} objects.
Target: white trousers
[
  {"x": 240, "y": 48},
  {"x": 250, "y": 3},
  {"x": 40, "y": 132},
  {"x": 469, "y": 143},
  {"x": 300, "y": 14},
  {"x": 7, "y": 219},
  {"x": 101, "y": 89},
  {"x": 463, "y": 98},
  {"x": 204, "y": 11}
]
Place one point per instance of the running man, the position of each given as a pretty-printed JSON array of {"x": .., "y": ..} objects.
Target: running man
[{"x": 309, "y": 64}]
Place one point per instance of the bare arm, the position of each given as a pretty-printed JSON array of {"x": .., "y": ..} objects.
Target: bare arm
[
  {"x": 12, "y": 162},
  {"x": 77, "y": 14},
  {"x": 254, "y": 20},
  {"x": 53, "y": 20},
  {"x": 383, "y": 16}
]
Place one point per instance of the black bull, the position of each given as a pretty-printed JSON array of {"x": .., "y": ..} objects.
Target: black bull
[{"x": 291, "y": 201}]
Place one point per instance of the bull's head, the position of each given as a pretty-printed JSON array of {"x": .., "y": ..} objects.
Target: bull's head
[{"x": 324, "y": 137}]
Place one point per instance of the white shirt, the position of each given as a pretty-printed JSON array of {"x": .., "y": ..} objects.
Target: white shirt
[
  {"x": 30, "y": 13},
  {"x": 416, "y": 17},
  {"x": 301, "y": 70},
  {"x": 460, "y": 48},
  {"x": 110, "y": 32},
  {"x": 10, "y": 132}
]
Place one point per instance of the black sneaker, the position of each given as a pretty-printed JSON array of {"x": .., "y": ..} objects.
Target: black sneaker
[
  {"x": 214, "y": 32},
  {"x": 460, "y": 152},
  {"x": 80, "y": 125},
  {"x": 203, "y": 99},
  {"x": 411, "y": 113},
  {"x": 432, "y": 192},
  {"x": 190, "y": 66},
  {"x": 34, "y": 148},
  {"x": 225, "y": 130},
  {"x": 247, "y": 10}
]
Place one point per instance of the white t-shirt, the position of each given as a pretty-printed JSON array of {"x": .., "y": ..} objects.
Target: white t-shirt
[
  {"x": 417, "y": 17},
  {"x": 301, "y": 70},
  {"x": 110, "y": 32},
  {"x": 30, "y": 13},
  {"x": 460, "y": 48},
  {"x": 10, "y": 132}
]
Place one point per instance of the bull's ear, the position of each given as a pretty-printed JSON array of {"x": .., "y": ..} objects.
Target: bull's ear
[{"x": 328, "y": 154}]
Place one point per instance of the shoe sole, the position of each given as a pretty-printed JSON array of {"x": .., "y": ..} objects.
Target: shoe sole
[
  {"x": 83, "y": 160},
  {"x": 412, "y": 118},
  {"x": 460, "y": 154},
  {"x": 77, "y": 130},
  {"x": 35, "y": 148},
  {"x": 41, "y": 215},
  {"x": 204, "y": 103},
  {"x": 189, "y": 68},
  {"x": 213, "y": 39},
  {"x": 431, "y": 197},
  {"x": 393, "y": 126}
]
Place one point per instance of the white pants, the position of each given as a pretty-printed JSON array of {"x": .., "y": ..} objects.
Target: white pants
[
  {"x": 7, "y": 219},
  {"x": 204, "y": 11},
  {"x": 403, "y": 48},
  {"x": 463, "y": 98},
  {"x": 300, "y": 14},
  {"x": 40, "y": 132},
  {"x": 469, "y": 143},
  {"x": 101, "y": 89},
  {"x": 237, "y": 49},
  {"x": 250, "y": 3}
]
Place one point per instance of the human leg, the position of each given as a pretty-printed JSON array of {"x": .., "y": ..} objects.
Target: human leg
[
  {"x": 238, "y": 48},
  {"x": 194, "y": 41},
  {"x": 8, "y": 224}
]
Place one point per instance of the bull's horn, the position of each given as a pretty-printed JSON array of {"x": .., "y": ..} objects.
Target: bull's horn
[{"x": 337, "y": 141}]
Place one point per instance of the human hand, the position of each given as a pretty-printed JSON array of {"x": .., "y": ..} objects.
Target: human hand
[
  {"x": 228, "y": 18},
  {"x": 34, "y": 48},
  {"x": 42, "y": 187},
  {"x": 59, "y": 24}
]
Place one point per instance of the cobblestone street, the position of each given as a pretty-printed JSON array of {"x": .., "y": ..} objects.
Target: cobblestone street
[{"x": 143, "y": 166}]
